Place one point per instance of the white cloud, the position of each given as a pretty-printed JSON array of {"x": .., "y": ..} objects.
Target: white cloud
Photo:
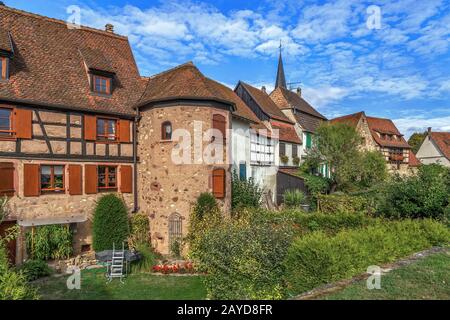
[{"x": 409, "y": 125}]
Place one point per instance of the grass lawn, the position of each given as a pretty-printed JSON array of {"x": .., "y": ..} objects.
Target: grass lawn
[
  {"x": 94, "y": 286},
  {"x": 426, "y": 279}
]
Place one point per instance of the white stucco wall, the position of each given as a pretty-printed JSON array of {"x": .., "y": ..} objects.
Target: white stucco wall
[
  {"x": 240, "y": 145},
  {"x": 429, "y": 153}
]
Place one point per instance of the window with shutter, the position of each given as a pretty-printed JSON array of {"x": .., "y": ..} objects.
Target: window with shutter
[
  {"x": 218, "y": 183},
  {"x": 75, "y": 180},
  {"x": 126, "y": 179},
  {"x": 294, "y": 151},
  {"x": 90, "y": 128},
  {"x": 31, "y": 180},
  {"x": 106, "y": 129},
  {"x": 52, "y": 179},
  {"x": 23, "y": 123},
  {"x": 220, "y": 124},
  {"x": 6, "y": 123},
  {"x": 7, "y": 179},
  {"x": 90, "y": 179},
  {"x": 282, "y": 149}
]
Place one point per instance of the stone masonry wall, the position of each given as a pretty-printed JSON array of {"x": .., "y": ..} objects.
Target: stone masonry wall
[{"x": 164, "y": 187}]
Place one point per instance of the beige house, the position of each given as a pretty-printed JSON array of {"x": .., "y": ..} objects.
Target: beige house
[{"x": 435, "y": 148}]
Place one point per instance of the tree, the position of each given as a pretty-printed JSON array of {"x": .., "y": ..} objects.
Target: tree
[
  {"x": 351, "y": 168},
  {"x": 415, "y": 141}
]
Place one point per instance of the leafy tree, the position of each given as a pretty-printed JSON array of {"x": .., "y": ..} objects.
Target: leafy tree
[
  {"x": 415, "y": 141},
  {"x": 245, "y": 193},
  {"x": 110, "y": 223}
]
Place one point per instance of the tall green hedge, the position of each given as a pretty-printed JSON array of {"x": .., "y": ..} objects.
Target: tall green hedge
[
  {"x": 317, "y": 258},
  {"x": 110, "y": 223}
]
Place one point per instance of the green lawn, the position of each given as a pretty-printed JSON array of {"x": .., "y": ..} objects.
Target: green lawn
[
  {"x": 426, "y": 279},
  {"x": 94, "y": 286}
]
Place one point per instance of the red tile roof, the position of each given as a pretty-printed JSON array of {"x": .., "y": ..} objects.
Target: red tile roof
[
  {"x": 187, "y": 82},
  {"x": 48, "y": 69},
  {"x": 286, "y": 132},
  {"x": 351, "y": 119},
  {"x": 413, "y": 161},
  {"x": 265, "y": 102},
  {"x": 386, "y": 126},
  {"x": 308, "y": 122},
  {"x": 442, "y": 140},
  {"x": 286, "y": 99}
]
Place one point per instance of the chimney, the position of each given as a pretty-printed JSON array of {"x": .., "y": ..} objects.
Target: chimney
[
  {"x": 109, "y": 28},
  {"x": 263, "y": 89},
  {"x": 429, "y": 133},
  {"x": 299, "y": 91}
]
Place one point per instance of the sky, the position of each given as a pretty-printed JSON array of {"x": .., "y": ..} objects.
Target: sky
[{"x": 390, "y": 59}]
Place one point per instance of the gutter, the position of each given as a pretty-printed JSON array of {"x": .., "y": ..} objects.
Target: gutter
[{"x": 135, "y": 170}]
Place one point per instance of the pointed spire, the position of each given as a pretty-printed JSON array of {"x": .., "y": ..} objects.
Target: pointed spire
[{"x": 281, "y": 78}]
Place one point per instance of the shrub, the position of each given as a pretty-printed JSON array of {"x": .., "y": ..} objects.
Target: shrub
[
  {"x": 35, "y": 269},
  {"x": 317, "y": 259},
  {"x": 140, "y": 231},
  {"x": 244, "y": 259},
  {"x": 328, "y": 223},
  {"x": 206, "y": 203},
  {"x": 293, "y": 198},
  {"x": 147, "y": 261},
  {"x": 421, "y": 196},
  {"x": 245, "y": 193},
  {"x": 110, "y": 224},
  {"x": 50, "y": 242},
  {"x": 340, "y": 202}
]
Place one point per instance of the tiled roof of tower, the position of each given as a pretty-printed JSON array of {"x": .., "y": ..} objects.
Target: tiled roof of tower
[
  {"x": 265, "y": 102},
  {"x": 187, "y": 82},
  {"x": 286, "y": 99},
  {"x": 386, "y": 126},
  {"x": 351, "y": 119},
  {"x": 442, "y": 139},
  {"x": 48, "y": 68}
]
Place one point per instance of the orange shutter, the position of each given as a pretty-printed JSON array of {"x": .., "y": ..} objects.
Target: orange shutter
[
  {"x": 124, "y": 130},
  {"x": 90, "y": 179},
  {"x": 220, "y": 123},
  {"x": 90, "y": 128},
  {"x": 23, "y": 123},
  {"x": 75, "y": 181},
  {"x": 126, "y": 179},
  {"x": 31, "y": 180},
  {"x": 219, "y": 183},
  {"x": 7, "y": 179}
]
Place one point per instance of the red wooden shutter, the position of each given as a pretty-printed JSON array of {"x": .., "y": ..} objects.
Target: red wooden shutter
[
  {"x": 90, "y": 179},
  {"x": 75, "y": 181},
  {"x": 90, "y": 128},
  {"x": 126, "y": 179},
  {"x": 218, "y": 183},
  {"x": 31, "y": 180},
  {"x": 220, "y": 123},
  {"x": 6, "y": 179},
  {"x": 124, "y": 130},
  {"x": 23, "y": 123}
]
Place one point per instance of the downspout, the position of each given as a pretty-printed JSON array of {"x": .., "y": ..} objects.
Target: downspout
[{"x": 135, "y": 157}]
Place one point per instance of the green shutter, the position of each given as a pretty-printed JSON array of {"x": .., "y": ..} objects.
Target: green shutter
[{"x": 308, "y": 140}]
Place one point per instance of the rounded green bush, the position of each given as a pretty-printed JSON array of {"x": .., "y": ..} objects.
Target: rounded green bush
[{"x": 110, "y": 223}]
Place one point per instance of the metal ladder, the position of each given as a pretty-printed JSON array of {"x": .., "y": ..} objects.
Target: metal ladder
[{"x": 117, "y": 262}]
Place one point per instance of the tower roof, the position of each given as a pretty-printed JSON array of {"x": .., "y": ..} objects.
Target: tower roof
[{"x": 281, "y": 78}]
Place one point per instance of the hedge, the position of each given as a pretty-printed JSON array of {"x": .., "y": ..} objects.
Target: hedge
[
  {"x": 110, "y": 224},
  {"x": 317, "y": 259},
  {"x": 339, "y": 202}
]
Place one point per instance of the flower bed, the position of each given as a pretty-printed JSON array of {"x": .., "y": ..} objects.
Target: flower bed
[{"x": 186, "y": 267}]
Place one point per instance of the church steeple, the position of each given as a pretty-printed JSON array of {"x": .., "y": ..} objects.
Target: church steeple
[{"x": 281, "y": 78}]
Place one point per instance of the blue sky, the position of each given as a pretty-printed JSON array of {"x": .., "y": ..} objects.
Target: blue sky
[{"x": 399, "y": 70}]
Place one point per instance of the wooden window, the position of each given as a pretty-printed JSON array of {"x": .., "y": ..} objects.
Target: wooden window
[
  {"x": 166, "y": 131},
  {"x": 90, "y": 179},
  {"x": 6, "y": 123},
  {"x": 75, "y": 180},
  {"x": 218, "y": 183},
  {"x": 282, "y": 149},
  {"x": 175, "y": 228},
  {"x": 31, "y": 181},
  {"x": 124, "y": 130},
  {"x": 52, "y": 179},
  {"x": 220, "y": 124},
  {"x": 107, "y": 178},
  {"x": 101, "y": 84},
  {"x": 126, "y": 179},
  {"x": 294, "y": 151},
  {"x": 4, "y": 68},
  {"x": 106, "y": 129},
  {"x": 23, "y": 123},
  {"x": 6, "y": 179},
  {"x": 396, "y": 155}
]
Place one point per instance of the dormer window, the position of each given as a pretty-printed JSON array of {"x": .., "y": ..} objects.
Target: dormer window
[
  {"x": 4, "y": 68},
  {"x": 101, "y": 84}
]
